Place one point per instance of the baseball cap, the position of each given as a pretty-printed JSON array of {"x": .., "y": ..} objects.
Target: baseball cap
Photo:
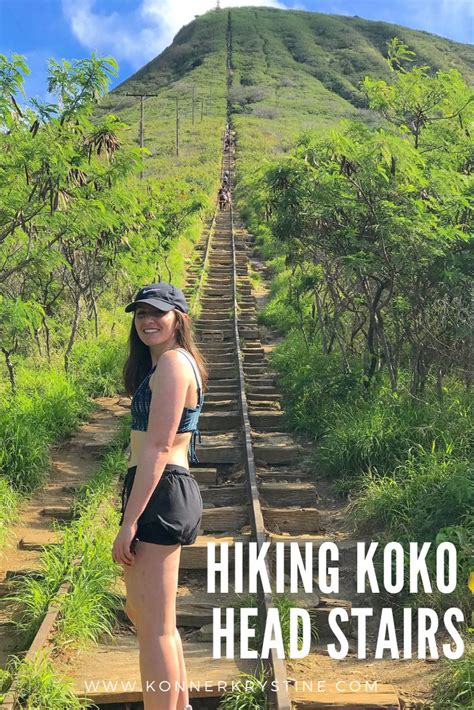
[{"x": 161, "y": 295}]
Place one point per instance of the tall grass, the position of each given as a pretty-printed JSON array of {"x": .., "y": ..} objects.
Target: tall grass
[
  {"x": 96, "y": 366},
  {"x": 313, "y": 384},
  {"x": 428, "y": 491},
  {"x": 88, "y": 610},
  {"x": 381, "y": 431},
  {"x": 40, "y": 686},
  {"x": 9, "y": 501},
  {"x": 46, "y": 408},
  {"x": 454, "y": 687},
  {"x": 248, "y": 692}
]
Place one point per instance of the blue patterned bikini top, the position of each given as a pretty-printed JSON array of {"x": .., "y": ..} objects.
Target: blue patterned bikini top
[{"x": 140, "y": 408}]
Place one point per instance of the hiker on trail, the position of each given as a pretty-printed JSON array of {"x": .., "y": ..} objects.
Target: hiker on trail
[
  {"x": 222, "y": 198},
  {"x": 161, "y": 501},
  {"x": 225, "y": 180}
]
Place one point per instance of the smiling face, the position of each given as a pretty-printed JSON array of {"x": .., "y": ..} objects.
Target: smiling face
[{"x": 154, "y": 327}]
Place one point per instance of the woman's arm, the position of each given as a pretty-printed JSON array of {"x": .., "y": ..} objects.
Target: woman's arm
[{"x": 166, "y": 407}]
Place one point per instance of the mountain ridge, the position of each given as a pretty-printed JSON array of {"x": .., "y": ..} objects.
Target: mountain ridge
[{"x": 336, "y": 35}]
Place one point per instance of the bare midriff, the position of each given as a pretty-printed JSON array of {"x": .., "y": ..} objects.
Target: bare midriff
[{"x": 179, "y": 451}]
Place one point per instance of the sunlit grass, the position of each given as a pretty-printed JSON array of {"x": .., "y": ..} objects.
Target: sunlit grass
[
  {"x": 249, "y": 692},
  {"x": 83, "y": 556},
  {"x": 454, "y": 687},
  {"x": 40, "y": 686}
]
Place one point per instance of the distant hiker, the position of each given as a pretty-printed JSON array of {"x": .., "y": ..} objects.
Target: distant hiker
[
  {"x": 225, "y": 198},
  {"x": 222, "y": 198}
]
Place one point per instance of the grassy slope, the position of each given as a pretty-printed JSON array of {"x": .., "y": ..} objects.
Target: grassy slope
[
  {"x": 308, "y": 67},
  {"x": 293, "y": 71},
  {"x": 196, "y": 57}
]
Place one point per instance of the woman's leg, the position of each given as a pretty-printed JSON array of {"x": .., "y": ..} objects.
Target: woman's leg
[
  {"x": 183, "y": 697},
  {"x": 152, "y": 583}
]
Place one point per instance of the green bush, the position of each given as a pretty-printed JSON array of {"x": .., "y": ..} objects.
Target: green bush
[
  {"x": 380, "y": 431},
  {"x": 96, "y": 366},
  {"x": 46, "y": 408},
  {"x": 425, "y": 493}
]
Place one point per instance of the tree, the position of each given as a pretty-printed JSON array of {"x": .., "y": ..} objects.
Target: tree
[{"x": 383, "y": 217}]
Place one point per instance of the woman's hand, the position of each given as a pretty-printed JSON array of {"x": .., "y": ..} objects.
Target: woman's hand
[{"x": 121, "y": 552}]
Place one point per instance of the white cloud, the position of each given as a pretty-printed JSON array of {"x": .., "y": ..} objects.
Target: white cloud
[{"x": 140, "y": 35}]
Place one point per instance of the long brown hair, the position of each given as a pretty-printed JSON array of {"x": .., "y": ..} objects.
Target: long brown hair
[{"x": 139, "y": 362}]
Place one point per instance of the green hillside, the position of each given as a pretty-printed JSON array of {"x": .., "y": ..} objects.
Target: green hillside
[
  {"x": 296, "y": 71},
  {"x": 199, "y": 44},
  {"x": 272, "y": 46},
  {"x": 195, "y": 61},
  {"x": 275, "y": 47},
  {"x": 292, "y": 71}
]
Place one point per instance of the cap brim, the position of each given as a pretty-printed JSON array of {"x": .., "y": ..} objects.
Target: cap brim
[{"x": 162, "y": 305}]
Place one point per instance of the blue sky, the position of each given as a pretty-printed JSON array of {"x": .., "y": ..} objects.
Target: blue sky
[{"x": 135, "y": 31}]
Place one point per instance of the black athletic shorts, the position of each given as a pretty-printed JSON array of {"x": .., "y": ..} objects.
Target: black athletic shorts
[{"x": 173, "y": 513}]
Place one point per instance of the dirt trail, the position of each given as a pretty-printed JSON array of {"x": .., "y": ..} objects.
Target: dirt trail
[{"x": 73, "y": 462}]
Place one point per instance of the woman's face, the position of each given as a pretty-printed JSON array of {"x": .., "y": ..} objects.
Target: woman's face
[{"x": 153, "y": 326}]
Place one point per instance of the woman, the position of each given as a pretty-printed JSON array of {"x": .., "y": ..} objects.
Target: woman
[{"x": 161, "y": 501}]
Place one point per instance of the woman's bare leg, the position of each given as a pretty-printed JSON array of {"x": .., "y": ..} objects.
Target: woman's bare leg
[
  {"x": 152, "y": 583},
  {"x": 183, "y": 697}
]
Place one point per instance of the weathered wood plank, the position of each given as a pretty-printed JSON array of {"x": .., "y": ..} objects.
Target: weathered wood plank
[{"x": 111, "y": 673}]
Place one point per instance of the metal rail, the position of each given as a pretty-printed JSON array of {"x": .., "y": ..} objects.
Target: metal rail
[
  {"x": 276, "y": 665},
  {"x": 42, "y": 637},
  {"x": 196, "y": 294}
]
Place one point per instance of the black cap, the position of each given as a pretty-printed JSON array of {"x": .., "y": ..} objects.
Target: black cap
[{"x": 162, "y": 295}]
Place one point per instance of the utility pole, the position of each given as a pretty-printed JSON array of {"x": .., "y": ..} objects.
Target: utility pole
[
  {"x": 142, "y": 98},
  {"x": 218, "y": 5},
  {"x": 142, "y": 129},
  {"x": 177, "y": 125},
  {"x": 142, "y": 121}
]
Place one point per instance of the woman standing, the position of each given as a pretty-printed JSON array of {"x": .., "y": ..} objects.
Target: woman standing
[{"x": 161, "y": 500}]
